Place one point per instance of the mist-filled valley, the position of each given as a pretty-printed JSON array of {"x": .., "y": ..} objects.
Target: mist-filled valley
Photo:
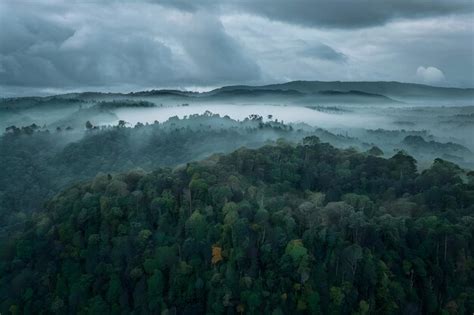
[
  {"x": 157, "y": 198},
  {"x": 257, "y": 157},
  {"x": 424, "y": 121}
]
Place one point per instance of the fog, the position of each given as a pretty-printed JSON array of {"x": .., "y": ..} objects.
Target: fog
[
  {"x": 446, "y": 123},
  {"x": 425, "y": 129},
  {"x": 286, "y": 114},
  {"x": 50, "y": 143}
]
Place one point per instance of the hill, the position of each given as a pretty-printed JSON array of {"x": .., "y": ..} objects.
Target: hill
[
  {"x": 336, "y": 91},
  {"x": 278, "y": 230},
  {"x": 397, "y": 90}
]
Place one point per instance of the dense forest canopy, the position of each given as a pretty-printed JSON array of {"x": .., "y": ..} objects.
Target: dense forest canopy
[
  {"x": 281, "y": 229},
  {"x": 283, "y": 199}
]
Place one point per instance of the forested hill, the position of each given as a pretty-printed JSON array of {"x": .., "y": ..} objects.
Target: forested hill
[
  {"x": 277, "y": 230},
  {"x": 396, "y": 90},
  {"x": 389, "y": 92},
  {"x": 37, "y": 163}
]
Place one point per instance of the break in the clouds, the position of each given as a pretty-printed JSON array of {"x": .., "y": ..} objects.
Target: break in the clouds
[{"x": 112, "y": 44}]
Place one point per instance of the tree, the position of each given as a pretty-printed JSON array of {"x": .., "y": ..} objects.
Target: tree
[
  {"x": 196, "y": 226},
  {"x": 300, "y": 257},
  {"x": 375, "y": 151},
  {"x": 155, "y": 285},
  {"x": 216, "y": 254}
]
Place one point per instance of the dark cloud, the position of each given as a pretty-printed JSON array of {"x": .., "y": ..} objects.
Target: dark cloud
[
  {"x": 330, "y": 13},
  {"x": 58, "y": 44},
  {"x": 43, "y": 49},
  {"x": 24, "y": 40},
  {"x": 20, "y": 31},
  {"x": 48, "y": 54},
  {"x": 350, "y": 13}
]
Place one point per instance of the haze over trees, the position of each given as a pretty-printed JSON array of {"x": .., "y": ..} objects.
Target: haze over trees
[{"x": 149, "y": 203}]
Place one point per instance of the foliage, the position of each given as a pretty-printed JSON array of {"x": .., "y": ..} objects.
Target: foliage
[
  {"x": 281, "y": 229},
  {"x": 37, "y": 164}
]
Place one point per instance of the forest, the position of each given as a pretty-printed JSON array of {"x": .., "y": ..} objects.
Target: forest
[
  {"x": 38, "y": 162},
  {"x": 305, "y": 228},
  {"x": 243, "y": 200}
]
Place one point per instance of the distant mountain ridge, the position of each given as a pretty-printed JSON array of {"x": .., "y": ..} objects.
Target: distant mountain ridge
[
  {"x": 383, "y": 91},
  {"x": 285, "y": 94},
  {"x": 390, "y": 89}
]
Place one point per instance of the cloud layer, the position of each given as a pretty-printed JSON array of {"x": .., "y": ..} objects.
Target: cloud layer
[
  {"x": 350, "y": 13},
  {"x": 141, "y": 44},
  {"x": 74, "y": 45}
]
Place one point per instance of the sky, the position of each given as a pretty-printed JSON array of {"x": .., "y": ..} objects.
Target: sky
[{"x": 57, "y": 45}]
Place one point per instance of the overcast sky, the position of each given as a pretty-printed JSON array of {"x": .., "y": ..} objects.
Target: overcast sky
[{"x": 54, "y": 46}]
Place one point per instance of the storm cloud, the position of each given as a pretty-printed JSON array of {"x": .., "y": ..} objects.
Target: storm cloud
[
  {"x": 330, "y": 13},
  {"x": 349, "y": 13},
  {"x": 124, "y": 43},
  {"x": 77, "y": 45}
]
